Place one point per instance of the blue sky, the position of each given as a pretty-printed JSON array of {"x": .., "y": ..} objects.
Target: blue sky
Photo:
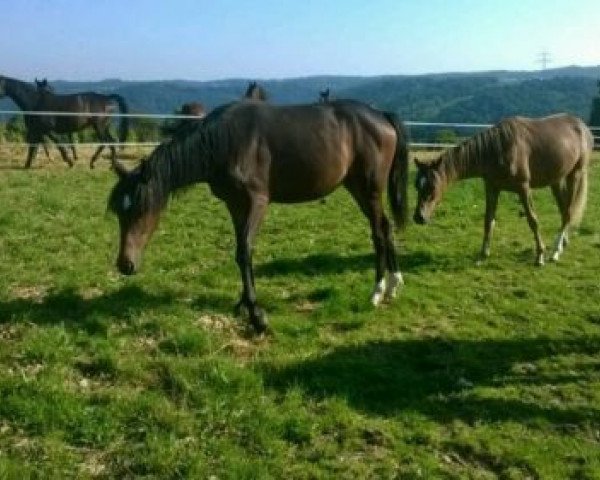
[{"x": 204, "y": 40}]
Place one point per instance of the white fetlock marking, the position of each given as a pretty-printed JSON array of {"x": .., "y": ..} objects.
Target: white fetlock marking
[
  {"x": 559, "y": 245},
  {"x": 378, "y": 292},
  {"x": 395, "y": 280}
]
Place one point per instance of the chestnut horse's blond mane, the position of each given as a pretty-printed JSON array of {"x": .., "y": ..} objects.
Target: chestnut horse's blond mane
[{"x": 490, "y": 145}]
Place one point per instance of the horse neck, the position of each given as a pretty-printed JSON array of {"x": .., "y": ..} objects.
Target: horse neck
[
  {"x": 460, "y": 163},
  {"x": 179, "y": 163},
  {"x": 24, "y": 95}
]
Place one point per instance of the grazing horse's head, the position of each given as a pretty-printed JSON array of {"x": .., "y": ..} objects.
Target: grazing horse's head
[
  {"x": 430, "y": 187},
  {"x": 138, "y": 217}
]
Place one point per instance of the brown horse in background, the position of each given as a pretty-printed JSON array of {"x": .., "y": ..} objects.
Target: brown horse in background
[
  {"x": 517, "y": 155},
  {"x": 183, "y": 126},
  {"x": 254, "y": 153},
  {"x": 95, "y": 106}
]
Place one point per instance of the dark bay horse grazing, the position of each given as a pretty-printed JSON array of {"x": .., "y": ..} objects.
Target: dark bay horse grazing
[
  {"x": 253, "y": 153},
  {"x": 30, "y": 98},
  {"x": 517, "y": 155},
  {"x": 256, "y": 92}
]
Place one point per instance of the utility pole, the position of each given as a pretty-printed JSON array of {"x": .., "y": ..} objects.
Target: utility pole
[{"x": 544, "y": 59}]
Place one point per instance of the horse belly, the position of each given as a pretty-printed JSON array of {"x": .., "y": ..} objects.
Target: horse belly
[{"x": 305, "y": 180}]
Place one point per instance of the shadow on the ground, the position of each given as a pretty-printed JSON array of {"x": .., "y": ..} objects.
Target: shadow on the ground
[
  {"x": 72, "y": 309},
  {"x": 328, "y": 263},
  {"x": 438, "y": 378}
]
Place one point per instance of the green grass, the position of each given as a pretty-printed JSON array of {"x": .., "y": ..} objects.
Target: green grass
[{"x": 488, "y": 371}]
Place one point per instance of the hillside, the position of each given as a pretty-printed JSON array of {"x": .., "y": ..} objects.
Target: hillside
[{"x": 453, "y": 97}]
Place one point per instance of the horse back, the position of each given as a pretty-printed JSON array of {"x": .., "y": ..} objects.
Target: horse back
[
  {"x": 544, "y": 150},
  {"x": 301, "y": 153}
]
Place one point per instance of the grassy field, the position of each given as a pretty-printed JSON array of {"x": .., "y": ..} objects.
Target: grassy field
[{"x": 488, "y": 371}]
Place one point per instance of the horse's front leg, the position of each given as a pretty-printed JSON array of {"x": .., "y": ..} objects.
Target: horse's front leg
[
  {"x": 34, "y": 139},
  {"x": 491, "y": 204},
  {"x": 525, "y": 196},
  {"x": 246, "y": 218}
]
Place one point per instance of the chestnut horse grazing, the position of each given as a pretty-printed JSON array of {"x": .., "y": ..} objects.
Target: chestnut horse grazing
[
  {"x": 516, "y": 155},
  {"x": 254, "y": 153},
  {"x": 95, "y": 108}
]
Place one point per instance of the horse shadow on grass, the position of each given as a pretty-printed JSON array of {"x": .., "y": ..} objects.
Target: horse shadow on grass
[
  {"x": 78, "y": 312},
  {"x": 331, "y": 263},
  {"x": 439, "y": 379}
]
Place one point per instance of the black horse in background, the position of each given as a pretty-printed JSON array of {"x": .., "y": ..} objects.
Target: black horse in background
[
  {"x": 44, "y": 86},
  {"x": 98, "y": 106}
]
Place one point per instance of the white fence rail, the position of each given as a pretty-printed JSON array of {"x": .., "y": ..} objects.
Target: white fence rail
[{"x": 165, "y": 116}]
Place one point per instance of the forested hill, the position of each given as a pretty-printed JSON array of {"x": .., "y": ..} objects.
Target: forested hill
[{"x": 462, "y": 97}]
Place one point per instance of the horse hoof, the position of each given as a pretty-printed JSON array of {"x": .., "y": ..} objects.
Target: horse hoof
[
  {"x": 240, "y": 308},
  {"x": 258, "y": 320}
]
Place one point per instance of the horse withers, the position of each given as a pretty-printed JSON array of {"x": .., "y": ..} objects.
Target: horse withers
[
  {"x": 518, "y": 154},
  {"x": 254, "y": 153},
  {"x": 93, "y": 111}
]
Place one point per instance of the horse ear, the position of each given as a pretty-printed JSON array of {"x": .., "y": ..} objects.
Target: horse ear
[{"x": 419, "y": 163}]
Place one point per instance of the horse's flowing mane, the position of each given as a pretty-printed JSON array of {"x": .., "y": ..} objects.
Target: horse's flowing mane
[
  {"x": 174, "y": 165},
  {"x": 489, "y": 145}
]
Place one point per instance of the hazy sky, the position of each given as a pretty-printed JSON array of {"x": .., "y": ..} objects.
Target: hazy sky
[{"x": 203, "y": 40}]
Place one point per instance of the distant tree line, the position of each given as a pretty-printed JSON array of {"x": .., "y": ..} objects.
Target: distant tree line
[{"x": 466, "y": 98}]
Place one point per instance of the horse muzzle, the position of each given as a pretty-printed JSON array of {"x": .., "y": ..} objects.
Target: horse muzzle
[{"x": 420, "y": 219}]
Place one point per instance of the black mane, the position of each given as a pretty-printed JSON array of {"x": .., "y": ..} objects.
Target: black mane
[{"x": 174, "y": 164}]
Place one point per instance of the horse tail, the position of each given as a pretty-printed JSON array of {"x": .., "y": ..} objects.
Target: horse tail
[
  {"x": 579, "y": 189},
  {"x": 398, "y": 176},
  {"x": 124, "y": 123}
]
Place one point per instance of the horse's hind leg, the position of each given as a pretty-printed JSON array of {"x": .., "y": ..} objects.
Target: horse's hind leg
[
  {"x": 525, "y": 196},
  {"x": 96, "y": 155},
  {"x": 72, "y": 142},
  {"x": 103, "y": 136},
  {"x": 370, "y": 204},
  {"x": 395, "y": 276},
  {"x": 560, "y": 192},
  {"x": 63, "y": 151}
]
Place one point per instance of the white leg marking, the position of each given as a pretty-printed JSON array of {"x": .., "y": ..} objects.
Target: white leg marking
[
  {"x": 395, "y": 279},
  {"x": 559, "y": 245},
  {"x": 378, "y": 292}
]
